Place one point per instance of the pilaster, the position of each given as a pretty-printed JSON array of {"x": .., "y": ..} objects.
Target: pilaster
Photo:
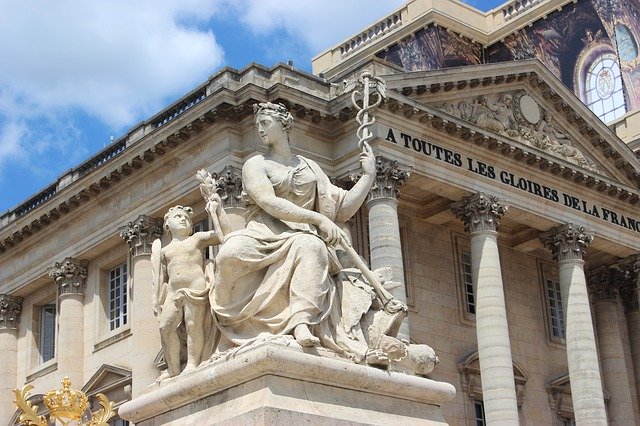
[
  {"x": 145, "y": 336},
  {"x": 70, "y": 276},
  {"x": 480, "y": 214},
  {"x": 229, "y": 182},
  {"x": 384, "y": 227},
  {"x": 10, "y": 310},
  {"x": 568, "y": 244},
  {"x": 630, "y": 294}
]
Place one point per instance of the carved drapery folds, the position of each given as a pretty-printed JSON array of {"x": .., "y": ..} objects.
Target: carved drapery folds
[
  {"x": 567, "y": 242},
  {"x": 630, "y": 283},
  {"x": 229, "y": 182},
  {"x": 141, "y": 233},
  {"x": 390, "y": 176},
  {"x": 479, "y": 212},
  {"x": 601, "y": 284},
  {"x": 70, "y": 275},
  {"x": 10, "y": 309}
]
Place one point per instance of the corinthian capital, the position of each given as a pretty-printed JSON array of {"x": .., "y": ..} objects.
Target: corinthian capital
[
  {"x": 601, "y": 284},
  {"x": 229, "y": 182},
  {"x": 141, "y": 233},
  {"x": 390, "y": 176},
  {"x": 630, "y": 283},
  {"x": 479, "y": 212},
  {"x": 567, "y": 242},
  {"x": 10, "y": 308},
  {"x": 70, "y": 275}
]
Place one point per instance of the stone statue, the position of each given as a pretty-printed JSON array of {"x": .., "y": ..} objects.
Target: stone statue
[
  {"x": 497, "y": 117},
  {"x": 283, "y": 274},
  {"x": 182, "y": 283}
]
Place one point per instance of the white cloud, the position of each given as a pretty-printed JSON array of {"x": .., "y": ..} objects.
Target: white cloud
[
  {"x": 116, "y": 60},
  {"x": 319, "y": 24}
]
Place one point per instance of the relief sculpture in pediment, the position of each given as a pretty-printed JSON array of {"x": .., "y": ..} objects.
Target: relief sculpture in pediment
[{"x": 518, "y": 116}]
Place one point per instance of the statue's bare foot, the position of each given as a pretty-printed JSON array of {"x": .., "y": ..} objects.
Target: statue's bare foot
[
  {"x": 377, "y": 358},
  {"x": 188, "y": 368},
  {"x": 304, "y": 337},
  {"x": 164, "y": 375}
]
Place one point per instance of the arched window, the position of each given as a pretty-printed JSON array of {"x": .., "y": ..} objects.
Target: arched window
[{"x": 600, "y": 83}]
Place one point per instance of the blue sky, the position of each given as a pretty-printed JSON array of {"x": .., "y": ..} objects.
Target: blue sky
[{"x": 74, "y": 73}]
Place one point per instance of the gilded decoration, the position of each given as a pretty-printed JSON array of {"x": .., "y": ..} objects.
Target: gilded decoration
[
  {"x": 517, "y": 115},
  {"x": 140, "y": 233},
  {"x": 66, "y": 406},
  {"x": 567, "y": 242},
  {"x": 10, "y": 309},
  {"x": 70, "y": 275},
  {"x": 479, "y": 212}
]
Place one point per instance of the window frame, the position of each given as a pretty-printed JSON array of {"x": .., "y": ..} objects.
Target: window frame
[
  {"x": 118, "y": 306},
  {"x": 548, "y": 271},
  {"x": 462, "y": 245}
]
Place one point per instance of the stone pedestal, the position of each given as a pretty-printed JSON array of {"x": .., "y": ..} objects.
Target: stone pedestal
[{"x": 279, "y": 383}]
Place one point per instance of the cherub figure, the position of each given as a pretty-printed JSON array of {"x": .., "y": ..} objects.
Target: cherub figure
[{"x": 181, "y": 285}]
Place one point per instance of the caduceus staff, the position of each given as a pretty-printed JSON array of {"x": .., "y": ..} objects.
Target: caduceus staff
[{"x": 372, "y": 91}]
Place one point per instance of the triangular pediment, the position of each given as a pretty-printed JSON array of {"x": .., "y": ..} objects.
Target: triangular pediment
[
  {"x": 526, "y": 105},
  {"x": 107, "y": 378}
]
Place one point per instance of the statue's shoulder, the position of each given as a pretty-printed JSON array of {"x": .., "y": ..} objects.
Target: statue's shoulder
[{"x": 257, "y": 161}]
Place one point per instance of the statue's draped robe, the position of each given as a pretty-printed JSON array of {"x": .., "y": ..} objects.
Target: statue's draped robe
[{"x": 263, "y": 285}]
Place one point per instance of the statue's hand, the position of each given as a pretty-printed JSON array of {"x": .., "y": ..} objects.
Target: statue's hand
[
  {"x": 213, "y": 203},
  {"x": 329, "y": 231},
  {"x": 367, "y": 160}
]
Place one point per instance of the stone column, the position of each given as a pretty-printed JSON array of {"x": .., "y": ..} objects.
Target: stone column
[
  {"x": 10, "y": 309},
  {"x": 384, "y": 228},
  {"x": 145, "y": 334},
  {"x": 480, "y": 214},
  {"x": 230, "y": 190},
  {"x": 630, "y": 295},
  {"x": 603, "y": 290},
  {"x": 70, "y": 275},
  {"x": 568, "y": 244}
]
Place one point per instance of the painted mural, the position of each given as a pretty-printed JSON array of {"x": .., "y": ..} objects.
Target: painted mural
[
  {"x": 569, "y": 42},
  {"x": 432, "y": 48}
]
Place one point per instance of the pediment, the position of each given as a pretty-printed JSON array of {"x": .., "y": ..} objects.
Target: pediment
[
  {"x": 524, "y": 103},
  {"x": 107, "y": 378}
]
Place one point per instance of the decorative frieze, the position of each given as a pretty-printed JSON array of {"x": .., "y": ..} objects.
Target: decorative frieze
[
  {"x": 141, "y": 233},
  {"x": 479, "y": 212},
  {"x": 601, "y": 284},
  {"x": 390, "y": 176},
  {"x": 229, "y": 187},
  {"x": 567, "y": 242},
  {"x": 70, "y": 275},
  {"x": 10, "y": 309}
]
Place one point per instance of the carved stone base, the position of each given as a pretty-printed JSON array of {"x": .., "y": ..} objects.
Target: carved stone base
[{"x": 269, "y": 383}]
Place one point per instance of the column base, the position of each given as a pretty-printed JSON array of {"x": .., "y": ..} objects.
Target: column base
[{"x": 271, "y": 383}]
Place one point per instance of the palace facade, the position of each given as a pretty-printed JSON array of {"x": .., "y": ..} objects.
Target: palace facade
[{"x": 506, "y": 203}]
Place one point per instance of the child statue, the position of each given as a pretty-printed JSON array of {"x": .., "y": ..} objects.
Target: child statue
[{"x": 182, "y": 283}]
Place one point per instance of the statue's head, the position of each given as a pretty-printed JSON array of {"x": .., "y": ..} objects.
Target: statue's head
[
  {"x": 179, "y": 221},
  {"x": 278, "y": 111}
]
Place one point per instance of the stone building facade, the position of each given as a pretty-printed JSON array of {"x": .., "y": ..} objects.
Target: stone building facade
[{"x": 504, "y": 205}]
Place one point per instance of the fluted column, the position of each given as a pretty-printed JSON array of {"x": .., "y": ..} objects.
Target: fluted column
[
  {"x": 70, "y": 276},
  {"x": 480, "y": 214},
  {"x": 603, "y": 290},
  {"x": 630, "y": 295},
  {"x": 230, "y": 190},
  {"x": 384, "y": 228},
  {"x": 10, "y": 309},
  {"x": 568, "y": 244},
  {"x": 145, "y": 334}
]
